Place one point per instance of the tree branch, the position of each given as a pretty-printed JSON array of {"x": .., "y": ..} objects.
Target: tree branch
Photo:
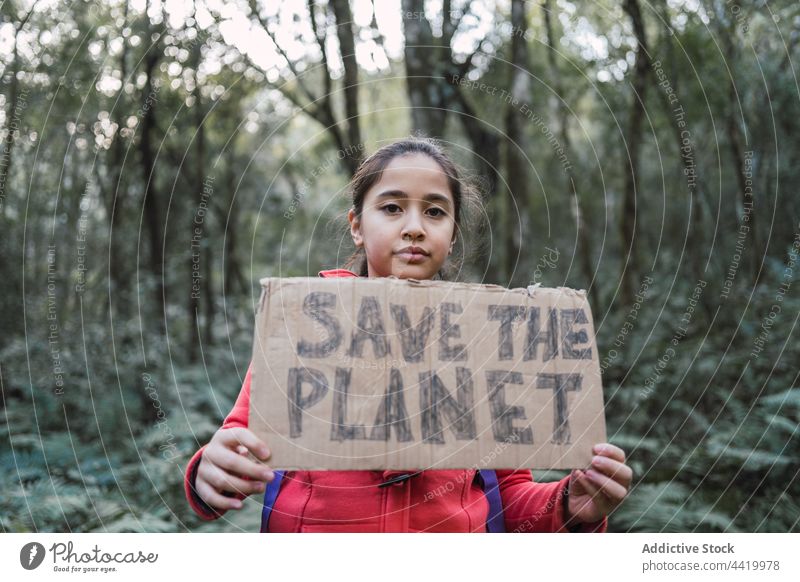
[{"x": 265, "y": 25}]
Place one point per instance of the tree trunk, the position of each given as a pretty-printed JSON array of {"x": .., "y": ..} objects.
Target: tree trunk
[
  {"x": 7, "y": 156},
  {"x": 115, "y": 206},
  {"x": 234, "y": 280},
  {"x": 584, "y": 249},
  {"x": 633, "y": 141},
  {"x": 320, "y": 107},
  {"x": 9, "y": 304},
  {"x": 428, "y": 116},
  {"x": 197, "y": 226},
  {"x": 11, "y": 113},
  {"x": 745, "y": 194},
  {"x": 516, "y": 145},
  {"x": 208, "y": 289},
  {"x": 344, "y": 31},
  {"x": 432, "y": 78},
  {"x": 152, "y": 211},
  {"x": 676, "y": 116}
]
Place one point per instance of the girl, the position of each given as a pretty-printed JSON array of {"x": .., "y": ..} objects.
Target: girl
[{"x": 408, "y": 201}]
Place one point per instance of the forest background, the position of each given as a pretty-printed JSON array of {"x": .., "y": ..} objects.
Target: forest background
[{"x": 158, "y": 158}]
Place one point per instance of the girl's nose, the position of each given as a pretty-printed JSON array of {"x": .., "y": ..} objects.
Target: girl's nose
[{"x": 413, "y": 226}]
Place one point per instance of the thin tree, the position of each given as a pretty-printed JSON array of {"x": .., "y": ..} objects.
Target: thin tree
[
  {"x": 583, "y": 243},
  {"x": 633, "y": 142},
  {"x": 151, "y": 205},
  {"x": 319, "y": 105},
  {"x": 516, "y": 144}
]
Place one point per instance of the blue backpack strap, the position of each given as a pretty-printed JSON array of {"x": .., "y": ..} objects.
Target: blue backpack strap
[
  {"x": 495, "y": 523},
  {"x": 270, "y": 495}
]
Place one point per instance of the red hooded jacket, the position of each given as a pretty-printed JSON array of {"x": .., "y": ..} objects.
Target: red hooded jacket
[{"x": 430, "y": 501}]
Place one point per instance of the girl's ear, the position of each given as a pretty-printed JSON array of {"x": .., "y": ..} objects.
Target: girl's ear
[{"x": 355, "y": 227}]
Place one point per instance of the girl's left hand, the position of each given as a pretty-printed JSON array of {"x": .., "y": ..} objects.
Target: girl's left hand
[{"x": 596, "y": 492}]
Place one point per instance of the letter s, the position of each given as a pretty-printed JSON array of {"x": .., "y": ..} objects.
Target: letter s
[{"x": 314, "y": 306}]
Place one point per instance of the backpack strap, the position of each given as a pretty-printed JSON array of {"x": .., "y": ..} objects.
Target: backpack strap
[
  {"x": 270, "y": 495},
  {"x": 494, "y": 522}
]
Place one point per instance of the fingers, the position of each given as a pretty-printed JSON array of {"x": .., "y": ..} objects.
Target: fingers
[
  {"x": 227, "y": 467},
  {"x": 221, "y": 480},
  {"x": 229, "y": 451},
  {"x": 614, "y": 491},
  {"x": 214, "y": 499},
  {"x": 244, "y": 437},
  {"x": 589, "y": 486},
  {"x": 620, "y": 472},
  {"x": 594, "y": 491},
  {"x": 235, "y": 463},
  {"x": 609, "y": 450},
  {"x": 607, "y": 481}
]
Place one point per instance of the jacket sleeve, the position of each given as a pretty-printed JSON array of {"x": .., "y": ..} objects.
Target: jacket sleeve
[
  {"x": 537, "y": 507},
  {"x": 238, "y": 417}
]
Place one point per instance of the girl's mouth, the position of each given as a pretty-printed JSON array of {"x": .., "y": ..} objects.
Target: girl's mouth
[
  {"x": 412, "y": 257},
  {"x": 413, "y": 254}
]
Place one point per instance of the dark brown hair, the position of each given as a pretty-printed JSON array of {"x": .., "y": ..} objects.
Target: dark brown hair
[{"x": 369, "y": 172}]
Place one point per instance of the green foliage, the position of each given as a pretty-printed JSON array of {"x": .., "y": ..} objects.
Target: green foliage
[
  {"x": 710, "y": 451},
  {"x": 99, "y": 460}
]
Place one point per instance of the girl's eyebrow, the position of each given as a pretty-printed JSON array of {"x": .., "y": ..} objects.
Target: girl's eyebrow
[{"x": 433, "y": 196}]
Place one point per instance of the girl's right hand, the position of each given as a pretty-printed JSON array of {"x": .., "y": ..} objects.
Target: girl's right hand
[{"x": 225, "y": 467}]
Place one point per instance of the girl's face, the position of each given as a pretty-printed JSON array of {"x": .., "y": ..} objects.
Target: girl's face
[{"x": 407, "y": 223}]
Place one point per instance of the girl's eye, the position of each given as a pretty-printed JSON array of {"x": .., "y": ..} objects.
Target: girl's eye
[
  {"x": 391, "y": 208},
  {"x": 437, "y": 211}
]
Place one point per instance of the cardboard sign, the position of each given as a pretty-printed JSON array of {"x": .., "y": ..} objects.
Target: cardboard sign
[{"x": 384, "y": 373}]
